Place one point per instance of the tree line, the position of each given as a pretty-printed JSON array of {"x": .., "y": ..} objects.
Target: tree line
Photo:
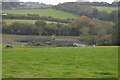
[
  {"x": 35, "y": 17},
  {"x": 91, "y": 32},
  {"x": 24, "y": 5},
  {"x": 10, "y": 5},
  {"x": 105, "y": 4},
  {"x": 16, "y": 5}
]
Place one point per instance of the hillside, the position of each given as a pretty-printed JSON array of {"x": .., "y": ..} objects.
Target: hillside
[
  {"x": 84, "y": 10},
  {"x": 43, "y": 12}
]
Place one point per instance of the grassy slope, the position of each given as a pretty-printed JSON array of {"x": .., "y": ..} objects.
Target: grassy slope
[
  {"x": 43, "y": 12},
  {"x": 108, "y": 9},
  {"x": 10, "y": 21},
  {"x": 60, "y": 62}
]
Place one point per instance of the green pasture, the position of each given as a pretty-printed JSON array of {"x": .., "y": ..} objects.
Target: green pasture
[
  {"x": 107, "y": 9},
  {"x": 10, "y": 21},
  {"x": 43, "y": 12},
  {"x": 72, "y": 62}
]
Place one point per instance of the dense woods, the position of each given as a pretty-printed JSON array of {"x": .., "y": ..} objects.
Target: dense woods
[{"x": 114, "y": 4}]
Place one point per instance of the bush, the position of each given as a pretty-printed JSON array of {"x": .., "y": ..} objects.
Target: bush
[{"x": 38, "y": 44}]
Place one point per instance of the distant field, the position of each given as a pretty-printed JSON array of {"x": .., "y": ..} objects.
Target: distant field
[
  {"x": 84, "y": 62},
  {"x": 43, "y": 12},
  {"x": 108, "y": 9},
  {"x": 10, "y": 21}
]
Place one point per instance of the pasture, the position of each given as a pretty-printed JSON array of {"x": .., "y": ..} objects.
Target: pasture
[
  {"x": 73, "y": 62},
  {"x": 10, "y": 21},
  {"x": 107, "y": 9},
  {"x": 43, "y": 12}
]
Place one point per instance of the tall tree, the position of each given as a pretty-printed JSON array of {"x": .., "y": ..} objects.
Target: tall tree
[
  {"x": 40, "y": 24},
  {"x": 83, "y": 23},
  {"x": 115, "y": 33}
]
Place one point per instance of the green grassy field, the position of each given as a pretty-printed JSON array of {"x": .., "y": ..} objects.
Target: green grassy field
[
  {"x": 43, "y": 12},
  {"x": 108, "y": 9},
  {"x": 83, "y": 62},
  {"x": 10, "y": 21}
]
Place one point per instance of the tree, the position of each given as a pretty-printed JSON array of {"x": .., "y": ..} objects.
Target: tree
[
  {"x": 114, "y": 15},
  {"x": 21, "y": 28},
  {"x": 103, "y": 15},
  {"x": 83, "y": 23},
  {"x": 115, "y": 34},
  {"x": 93, "y": 13},
  {"x": 104, "y": 33},
  {"x": 40, "y": 24}
]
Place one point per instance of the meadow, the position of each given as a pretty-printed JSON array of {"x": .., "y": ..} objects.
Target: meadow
[
  {"x": 62, "y": 62},
  {"x": 107, "y": 9},
  {"x": 10, "y": 21},
  {"x": 43, "y": 12}
]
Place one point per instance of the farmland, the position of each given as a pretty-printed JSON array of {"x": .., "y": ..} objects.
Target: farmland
[
  {"x": 89, "y": 62},
  {"x": 55, "y": 62},
  {"x": 83, "y": 42},
  {"x": 107, "y": 9},
  {"x": 10, "y": 21},
  {"x": 43, "y": 12}
]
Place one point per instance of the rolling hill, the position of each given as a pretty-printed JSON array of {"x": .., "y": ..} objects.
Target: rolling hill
[{"x": 43, "y": 12}]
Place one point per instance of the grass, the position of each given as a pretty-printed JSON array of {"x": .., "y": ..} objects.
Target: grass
[
  {"x": 43, "y": 12},
  {"x": 107, "y": 9},
  {"x": 83, "y": 62},
  {"x": 10, "y": 21}
]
